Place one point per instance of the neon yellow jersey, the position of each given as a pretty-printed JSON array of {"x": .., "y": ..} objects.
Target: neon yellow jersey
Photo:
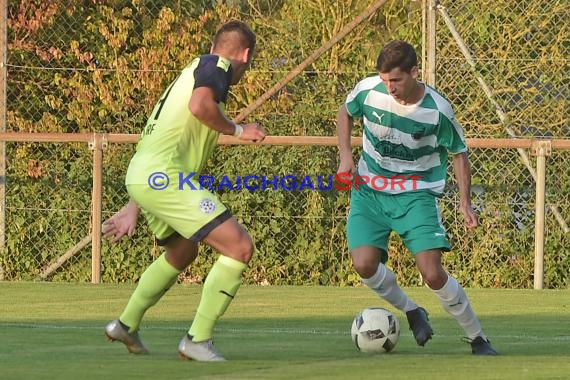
[{"x": 173, "y": 140}]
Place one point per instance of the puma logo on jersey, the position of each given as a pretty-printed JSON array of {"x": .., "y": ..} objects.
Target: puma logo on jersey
[{"x": 379, "y": 117}]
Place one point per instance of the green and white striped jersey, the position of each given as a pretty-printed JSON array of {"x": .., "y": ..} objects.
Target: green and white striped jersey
[{"x": 405, "y": 140}]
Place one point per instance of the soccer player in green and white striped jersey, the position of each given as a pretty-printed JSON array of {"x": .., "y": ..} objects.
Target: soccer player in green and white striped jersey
[{"x": 408, "y": 131}]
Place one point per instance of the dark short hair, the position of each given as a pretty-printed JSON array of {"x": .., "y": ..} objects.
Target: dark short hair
[
  {"x": 396, "y": 54},
  {"x": 247, "y": 37}
]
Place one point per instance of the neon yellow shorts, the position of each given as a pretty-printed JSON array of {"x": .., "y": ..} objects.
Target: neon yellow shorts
[
  {"x": 414, "y": 216},
  {"x": 191, "y": 214}
]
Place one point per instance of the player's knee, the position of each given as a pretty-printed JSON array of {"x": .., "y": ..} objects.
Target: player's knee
[
  {"x": 244, "y": 248},
  {"x": 365, "y": 267},
  {"x": 434, "y": 279}
]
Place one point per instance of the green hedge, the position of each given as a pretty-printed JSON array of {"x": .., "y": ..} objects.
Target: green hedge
[{"x": 99, "y": 66}]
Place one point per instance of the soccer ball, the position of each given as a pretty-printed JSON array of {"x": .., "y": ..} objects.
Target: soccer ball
[{"x": 375, "y": 330}]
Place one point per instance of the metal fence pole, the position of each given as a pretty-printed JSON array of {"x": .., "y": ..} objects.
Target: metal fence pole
[
  {"x": 3, "y": 87},
  {"x": 429, "y": 49},
  {"x": 98, "y": 144},
  {"x": 431, "y": 43},
  {"x": 541, "y": 149}
]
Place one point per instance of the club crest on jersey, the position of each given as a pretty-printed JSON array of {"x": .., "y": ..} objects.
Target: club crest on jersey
[{"x": 207, "y": 206}]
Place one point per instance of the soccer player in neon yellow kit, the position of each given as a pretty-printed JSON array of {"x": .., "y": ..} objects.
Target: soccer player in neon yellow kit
[
  {"x": 408, "y": 129},
  {"x": 179, "y": 137}
]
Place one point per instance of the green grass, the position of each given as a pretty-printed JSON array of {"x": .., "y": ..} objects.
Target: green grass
[{"x": 55, "y": 331}]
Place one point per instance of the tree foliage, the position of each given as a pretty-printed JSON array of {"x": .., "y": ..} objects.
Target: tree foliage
[{"x": 100, "y": 65}]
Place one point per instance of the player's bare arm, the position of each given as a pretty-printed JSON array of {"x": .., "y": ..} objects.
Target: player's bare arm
[
  {"x": 122, "y": 223},
  {"x": 205, "y": 108},
  {"x": 462, "y": 169},
  {"x": 344, "y": 123}
]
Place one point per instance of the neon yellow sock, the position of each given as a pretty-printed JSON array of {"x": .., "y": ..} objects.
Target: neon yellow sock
[
  {"x": 220, "y": 287},
  {"x": 154, "y": 282}
]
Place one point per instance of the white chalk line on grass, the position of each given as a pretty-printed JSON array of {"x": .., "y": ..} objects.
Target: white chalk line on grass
[{"x": 258, "y": 331}]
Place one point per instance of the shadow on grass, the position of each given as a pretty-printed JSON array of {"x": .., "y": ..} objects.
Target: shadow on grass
[{"x": 314, "y": 338}]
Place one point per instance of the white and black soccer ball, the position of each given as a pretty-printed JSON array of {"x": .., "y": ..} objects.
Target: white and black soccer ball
[{"x": 375, "y": 330}]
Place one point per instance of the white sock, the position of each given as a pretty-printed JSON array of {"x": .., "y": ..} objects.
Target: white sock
[
  {"x": 383, "y": 283},
  {"x": 455, "y": 302}
]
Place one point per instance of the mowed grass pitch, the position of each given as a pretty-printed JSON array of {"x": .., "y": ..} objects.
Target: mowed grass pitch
[{"x": 55, "y": 331}]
